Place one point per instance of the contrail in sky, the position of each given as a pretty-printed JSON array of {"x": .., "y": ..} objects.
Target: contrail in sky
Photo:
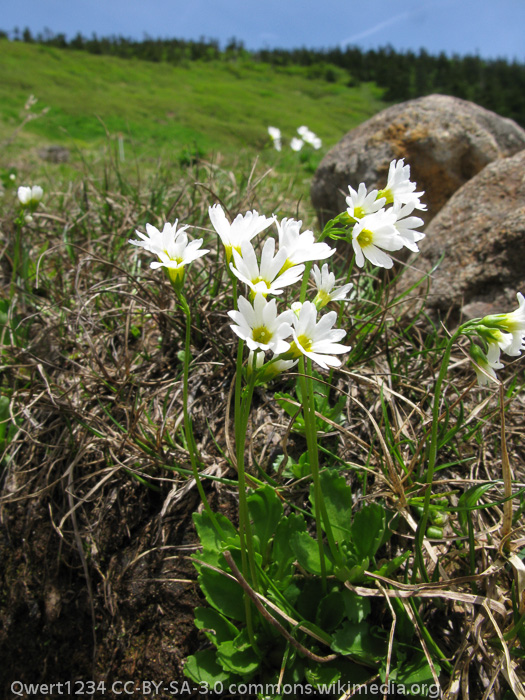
[
  {"x": 377, "y": 27},
  {"x": 393, "y": 20}
]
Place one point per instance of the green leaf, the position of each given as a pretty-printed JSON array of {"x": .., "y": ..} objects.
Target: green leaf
[
  {"x": 266, "y": 510},
  {"x": 388, "y": 568},
  {"x": 356, "y": 607},
  {"x": 282, "y": 553},
  {"x": 202, "y": 667},
  {"x": 301, "y": 468},
  {"x": 307, "y": 553},
  {"x": 331, "y": 611},
  {"x": 337, "y": 497},
  {"x": 211, "y": 539},
  {"x": 216, "y": 627},
  {"x": 222, "y": 593},
  {"x": 367, "y": 529},
  {"x": 237, "y": 656},
  {"x": 468, "y": 501},
  {"x": 4, "y": 418},
  {"x": 415, "y": 671},
  {"x": 322, "y": 674},
  {"x": 356, "y": 640}
]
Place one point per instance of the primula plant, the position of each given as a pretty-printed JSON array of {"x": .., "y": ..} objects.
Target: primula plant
[{"x": 288, "y": 582}]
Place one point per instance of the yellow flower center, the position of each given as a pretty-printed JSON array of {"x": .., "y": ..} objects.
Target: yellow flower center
[
  {"x": 387, "y": 194},
  {"x": 359, "y": 212},
  {"x": 305, "y": 342},
  {"x": 365, "y": 238},
  {"x": 287, "y": 265},
  {"x": 262, "y": 335},
  {"x": 322, "y": 299}
]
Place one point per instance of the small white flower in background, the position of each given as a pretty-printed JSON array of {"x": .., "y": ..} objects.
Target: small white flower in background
[
  {"x": 399, "y": 188},
  {"x": 309, "y": 137},
  {"x": 296, "y": 307},
  {"x": 361, "y": 203},
  {"x": 405, "y": 225},
  {"x": 172, "y": 248},
  {"x": 510, "y": 328},
  {"x": 12, "y": 177},
  {"x": 275, "y": 135},
  {"x": 325, "y": 283},
  {"x": 300, "y": 247},
  {"x": 30, "y": 195},
  {"x": 485, "y": 365},
  {"x": 296, "y": 144},
  {"x": 372, "y": 234},
  {"x": 243, "y": 228},
  {"x": 266, "y": 278},
  {"x": 317, "y": 339},
  {"x": 260, "y": 325}
]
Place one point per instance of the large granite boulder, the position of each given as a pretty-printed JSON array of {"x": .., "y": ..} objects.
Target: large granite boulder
[
  {"x": 480, "y": 233},
  {"x": 445, "y": 140}
]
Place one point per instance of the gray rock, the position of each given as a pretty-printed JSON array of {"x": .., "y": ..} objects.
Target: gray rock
[
  {"x": 481, "y": 234},
  {"x": 445, "y": 140}
]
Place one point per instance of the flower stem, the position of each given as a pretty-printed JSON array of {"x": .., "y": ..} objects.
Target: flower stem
[
  {"x": 432, "y": 456},
  {"x": 16, "y": 258},
  {"x": 242, "y": 414},
  {"x": 188, "y": 427},
  {"x": 321, "y": 514}
]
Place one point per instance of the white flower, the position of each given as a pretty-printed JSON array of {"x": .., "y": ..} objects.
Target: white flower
[
  {"x": 405, "y": 225},
  {"x": 309, "y": 137},
  {"x": 510, "y": 328},
  {"x": 317, "y": 340},
  {"x": 266, "y": 278},
  {"x": 260, "y": 326},
  {"x": 373, "y": 233},
  {"x": 300, "y": 247},
  {"x": 30, "y": 195},
  {"x": 172, "y": 248},
  {"x": 158, "y": 241},
  {"x": 271, "y": 369},
  {"x": 362, "y": 202},
  {"x": 325, "y": 282},
  {"x": 399, "y": 188},
  {"x": 179, "y": 253},
  {"x": 484, "y": 365},
  {"x": 275, "y": 135},
  {"x": 296, "y": 144},
  {"x": 243, "y": 228}
]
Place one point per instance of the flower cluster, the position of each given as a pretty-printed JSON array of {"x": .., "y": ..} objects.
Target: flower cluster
[
  {"x": 501, "y": 333},
  {"x": 375, "y": 222},
  {"x": 30, "y": 196},
  {"x": 172, "y": 248},
  {"x": 297, "y": 330},
  {"x": 306, "y": 136},
  {"x": 381, "y": 220}
]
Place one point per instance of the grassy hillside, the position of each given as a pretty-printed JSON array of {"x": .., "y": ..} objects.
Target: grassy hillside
[{"x": 163, "y": 108}]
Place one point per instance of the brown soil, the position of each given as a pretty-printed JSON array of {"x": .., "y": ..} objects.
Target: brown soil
[{"x": 141, "y": 601}]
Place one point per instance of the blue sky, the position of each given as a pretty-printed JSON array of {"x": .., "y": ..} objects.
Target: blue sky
[{"x": 489, "y": 28}]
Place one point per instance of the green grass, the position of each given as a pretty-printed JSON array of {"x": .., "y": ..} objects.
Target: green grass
[{"x": 160, "y": 108}]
